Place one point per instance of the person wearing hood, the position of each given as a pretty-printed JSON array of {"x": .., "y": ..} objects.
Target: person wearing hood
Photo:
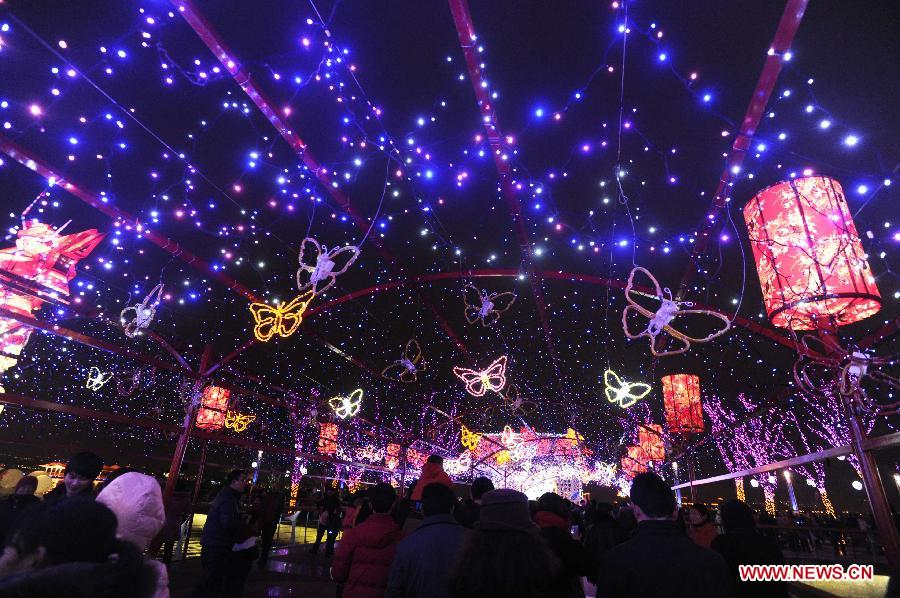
[
  {"x": 507, "y": 557},
  {"x": 68, "y": 549},
  {"x": 14, "y": 505},
  {"x": 553, "y": 518},
  {"x": 78, "y": 480},
  {"x": 432, "y": 473},
  {"x": 136, "y": 500},
  {"x": 363, "y": 558}
]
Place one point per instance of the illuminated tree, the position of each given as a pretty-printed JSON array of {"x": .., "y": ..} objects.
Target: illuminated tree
[
  {"x": 814, "y": 473},
  {"x": 823, "y": 419}
]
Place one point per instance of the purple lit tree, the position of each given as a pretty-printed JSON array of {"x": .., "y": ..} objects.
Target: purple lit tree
[
  {"x": 749, "y": 441},
  {"x": 814, "y": 473},
  {"x": 824, "y": 420}
]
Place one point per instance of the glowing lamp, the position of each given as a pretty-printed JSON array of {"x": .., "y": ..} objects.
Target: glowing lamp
[
  {"x": 213, "y": 408},
  {"x": 681, "y": 398},
  {"x": 328, "y": 434},
  {"x": 651, "y": 442},
  {"x": 809, "y": 257}
]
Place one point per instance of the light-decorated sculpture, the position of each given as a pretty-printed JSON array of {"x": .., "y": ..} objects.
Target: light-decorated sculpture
[{"x": 320, "y": 267}]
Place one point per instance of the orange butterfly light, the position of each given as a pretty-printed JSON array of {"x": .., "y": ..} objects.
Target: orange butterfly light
[
  {"x": 661, "y": 317},
  {"x": 479, "y": 382},
  {"x": 282, "y": 320}
]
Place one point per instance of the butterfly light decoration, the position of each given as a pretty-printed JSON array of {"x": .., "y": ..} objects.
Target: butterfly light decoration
[
  {"x": 320, "y": 268},
  {"x": 468, "y": 438},
  {"x": 144, "y": 312},
  {"x": 479, "y": 382},
  {"x": 485, "y": 307},
  {"x": 128, "y": 382},
  {"x": 347, "y": 406},
  {"x": 661, "y": 319},
  {"x": 97, "y": 379},
  {"x": 624, "y": 394},
  {"x": 237, "y": 421},
  {"x": 514, "y": 403},
  {"x": 407, "y": 368},
  {"x": 283, "y": 320},
  {"x": 823, "y": 363}
]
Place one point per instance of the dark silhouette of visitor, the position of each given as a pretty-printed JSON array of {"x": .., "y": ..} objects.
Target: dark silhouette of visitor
[
  {"x": 659, "y": 560},
  {"x": 466, "y": 512},
  {"x": 742, "y": 544},
  {"x": 221, "y": 532}
]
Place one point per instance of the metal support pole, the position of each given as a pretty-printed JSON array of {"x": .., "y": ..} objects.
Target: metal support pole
[
  {"x": 190, "y": 415},
  {"x": 403, "y": 470},
  {"x": 691, "y": 479},
  {"x": 871, "y": 479},
  {"x": 194, "y": 495},
  {"x": 790, "y": 488}
]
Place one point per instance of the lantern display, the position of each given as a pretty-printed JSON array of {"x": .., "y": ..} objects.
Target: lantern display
[
  {"x": 392, "y": 456},
  {"x": 633, "y": 462},
  {"x": 809, "y": 257},
  {"x": 651, "y": 442},
  {"x": 213, "y": 407},
  {"x": 681, "y": 398},
  {"x": 328, "y": 435}
]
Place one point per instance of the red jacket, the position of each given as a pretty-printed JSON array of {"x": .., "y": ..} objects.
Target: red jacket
[
  {"x": 364, "y": 555},
  {"x": 432, "y": 473}
]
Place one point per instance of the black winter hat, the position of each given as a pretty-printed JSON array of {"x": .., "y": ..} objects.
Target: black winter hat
[{"x": 86, "y": 464}]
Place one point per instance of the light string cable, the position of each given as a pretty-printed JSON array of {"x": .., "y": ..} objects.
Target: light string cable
[{"x": 393, "y": 153}]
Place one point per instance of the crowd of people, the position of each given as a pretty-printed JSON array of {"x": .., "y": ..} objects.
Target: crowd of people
[{"x": 103, "y": 542}]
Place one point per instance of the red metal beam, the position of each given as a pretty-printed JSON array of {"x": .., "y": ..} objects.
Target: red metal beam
[
  {"x": 781, "y": 43},
  {"x": 211, "y": 38},
  {"x": 465, "y": 30}
]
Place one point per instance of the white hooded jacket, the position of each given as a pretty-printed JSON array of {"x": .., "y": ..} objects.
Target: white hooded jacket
[{"x": 136, "y": 499}]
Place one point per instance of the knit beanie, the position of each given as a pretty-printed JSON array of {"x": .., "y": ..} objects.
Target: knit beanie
[
  {"x": 86, "y": 464},
  {"x": 505, "y": 510}
]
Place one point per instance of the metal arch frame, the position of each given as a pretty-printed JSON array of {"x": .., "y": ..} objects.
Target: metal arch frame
[{"x": 465, "y": 30}]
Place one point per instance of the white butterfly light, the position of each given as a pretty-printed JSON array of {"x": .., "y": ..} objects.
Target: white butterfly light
[
  {"x": 144, "y": 312},
  {"x": 312, "y": 274}
]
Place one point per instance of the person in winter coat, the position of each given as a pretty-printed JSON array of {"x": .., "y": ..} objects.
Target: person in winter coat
[
  {"x": 742, "y": 544},
  {"x": 700, "y": 528},
  {"x": 81, "y": 471},
  {"x": 269, "y": 518},
  {"x": 15, "y": 504},
  {"x": 432, "y": 472},
  {"x": 426, "y": 559},
  {"x": 466, "y": 512},
  {"x": 136, "y": 500},
  {"x": 506, "y": 556},
  {"x": 329, "y": 524},
  {"x": 553, "y": 519},
  {"x": 659, "y": 560},
  {"x": 68, "y": 549},
  {"x": 221, "y": 532},
  {"x": 363, "y": 558},
  {"x": 603, "y": 532}
]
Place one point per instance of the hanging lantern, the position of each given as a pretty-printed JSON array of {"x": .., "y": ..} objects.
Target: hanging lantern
[
  {"x": 681, "y": 397},
  {"x": 213, "y": 407},
  {"x": 392, "y": 456},
  {"x": 328, "y": 435},
  {"x": 633, "y": 462},
  {"x": 651, "y": 442},
  {"x": 809, "y": 258}
]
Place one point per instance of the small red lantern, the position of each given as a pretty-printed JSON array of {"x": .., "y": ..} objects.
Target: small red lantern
[
  {"x": 213, "y": 406},
  {"x": 328, "y": 435},
  {"x": 681, "y": 397},
  {"x": 651, "y": 442},
  {"x": 809, "y": 258},
  {"x": 633, "y": 462},
  {"x": 392, "y": 456}
]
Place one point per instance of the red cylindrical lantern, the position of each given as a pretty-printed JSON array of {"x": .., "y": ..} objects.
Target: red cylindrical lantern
[
  {"x": 328, "y": 435},
  {"x": 681, "y": 398},
  {"x": 633, "y": 462},
  {"x": 809, "y": 258},
  {"x": 213, "y": 406},
  {"x": 651, "y": 442}
]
